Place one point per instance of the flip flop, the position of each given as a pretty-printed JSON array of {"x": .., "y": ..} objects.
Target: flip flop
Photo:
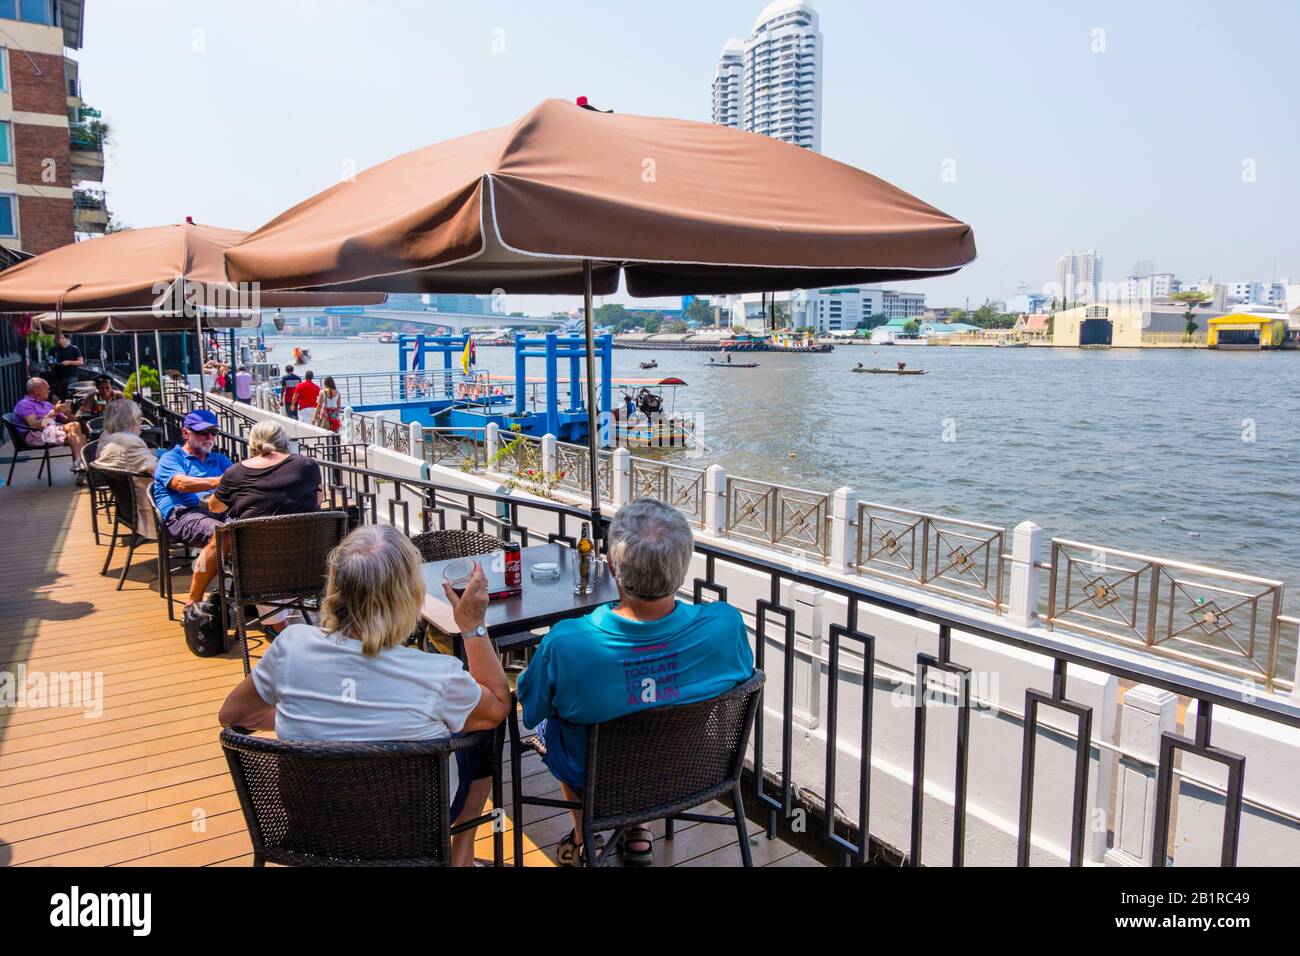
[{"x": 640, "y": 835}]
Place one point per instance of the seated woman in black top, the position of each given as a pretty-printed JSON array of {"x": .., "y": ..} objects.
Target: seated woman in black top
[{"x": 271, "y": 481}]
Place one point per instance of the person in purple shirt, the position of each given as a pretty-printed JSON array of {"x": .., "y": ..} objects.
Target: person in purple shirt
[
  {"x": 40, "y": 423},
  {"x": 648, "y": 650}
]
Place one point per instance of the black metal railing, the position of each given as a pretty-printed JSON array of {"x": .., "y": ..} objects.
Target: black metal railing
[{"x": 417, "y": 505}]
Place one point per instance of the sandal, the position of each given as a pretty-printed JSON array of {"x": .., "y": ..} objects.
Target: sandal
[
  {"x": 643, "y": 836},
  {"x": 572, "y": 853}
]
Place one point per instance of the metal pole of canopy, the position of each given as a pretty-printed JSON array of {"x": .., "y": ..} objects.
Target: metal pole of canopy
[
  {"x": 198, "y": 330},
  {"x": 157, "y": 357},
  {"x": 135, "y": 341},
  {"x": 592, "y": 454}
]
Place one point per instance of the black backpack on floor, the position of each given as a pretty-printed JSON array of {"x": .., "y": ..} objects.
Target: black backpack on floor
[{"x": 205, "y": 630}]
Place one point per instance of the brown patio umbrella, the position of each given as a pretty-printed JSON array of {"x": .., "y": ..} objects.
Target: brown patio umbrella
[
  {"x": 564, "y": 199},
  {"x": 160, "y": 279}
]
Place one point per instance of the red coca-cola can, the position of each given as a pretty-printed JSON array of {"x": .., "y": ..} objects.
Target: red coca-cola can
[{"x": 514, "y": 566}]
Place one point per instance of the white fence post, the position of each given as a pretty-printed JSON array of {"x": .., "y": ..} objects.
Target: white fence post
[
  {"x": 715, "y": 500},
  {"x": 548, "y": 455},
  {"x": 491, "y": 440},
  {"x": 844, "y": 513},
  {"x": 415, "y": 438},
  {"x": 347, "y": 433},
  {"x": 1026, "y": 546},
  {"x": 622, "y": 477},
  {"x": 1147, "y": 712},
  {"x": 379, "y": 437}
]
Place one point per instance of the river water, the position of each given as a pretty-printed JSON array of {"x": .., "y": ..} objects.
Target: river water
[{"x": 1191, "y": 455}]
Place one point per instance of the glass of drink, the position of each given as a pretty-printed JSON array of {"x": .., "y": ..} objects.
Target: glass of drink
[
  {"x": 595, "y": 566},
  {"x": 457, "y": 575}
]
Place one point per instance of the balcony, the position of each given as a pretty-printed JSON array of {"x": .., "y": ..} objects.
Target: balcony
[
  {"x": 86, "y": 144},
  {"x": 89, "y": 211}
]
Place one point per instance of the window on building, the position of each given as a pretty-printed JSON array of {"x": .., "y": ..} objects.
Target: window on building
[
  {"x": 36, "y": 11},
  {"x": 6, "y": 144},
  {"x": 4, "y": 69},
  {"x": 8, "y": 216}
]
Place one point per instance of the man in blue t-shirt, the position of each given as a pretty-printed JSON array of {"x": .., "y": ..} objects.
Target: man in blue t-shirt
[
  {"x": 648, "y": 650},
  {"x": 185, "y": 478}
]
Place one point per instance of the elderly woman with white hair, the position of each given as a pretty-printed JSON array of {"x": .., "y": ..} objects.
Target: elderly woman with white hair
[
  {"x": 122, "y": 447},
  {"x": 373, "y": 596},
  {"x": 647, "y": 650}
]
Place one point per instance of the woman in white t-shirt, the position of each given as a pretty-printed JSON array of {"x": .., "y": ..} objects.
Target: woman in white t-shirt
[{"x": 351, "y": 679}]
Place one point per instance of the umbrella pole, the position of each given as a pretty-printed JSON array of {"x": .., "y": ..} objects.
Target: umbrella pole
[
  {"x": 592, "y": 455},
  {"x": 203, "y": 388},
  {"x": 157, "y": 356},
  {"x": 135, "y": 340}
]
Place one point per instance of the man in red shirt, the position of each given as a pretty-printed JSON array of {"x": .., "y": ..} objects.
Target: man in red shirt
[{"x": 305, "y": 397}]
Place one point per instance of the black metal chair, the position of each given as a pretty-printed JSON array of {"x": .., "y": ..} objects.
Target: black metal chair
[
  {"x": 167, "y": 554},
  {"x": 126, "y": 515},
  {"x": 101, "y": 497},
  {"x": 352, "y": 804},
  {"x": 277, "y": 562},
  {"x": 20, "y": 444},
  {"x": 657, "y": 764}
]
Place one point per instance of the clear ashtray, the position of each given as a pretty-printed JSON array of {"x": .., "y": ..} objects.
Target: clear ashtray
[{"x": 545, "y": 570}]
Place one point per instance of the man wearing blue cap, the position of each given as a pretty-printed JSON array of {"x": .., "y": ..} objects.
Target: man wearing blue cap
[{"x": 186, "y": 476}]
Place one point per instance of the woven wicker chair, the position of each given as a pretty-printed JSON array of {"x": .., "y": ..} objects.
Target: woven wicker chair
[
  {"x": 169, "y": 551},
  {"x": 278, "y": 562},
  {"x": 20, "y": 444},
  {"x": 126, "y": 517},
  {"x": 445, "y": 545},
  {"x": 657, "y": 764},
  {"x": 351, "y": 804}
]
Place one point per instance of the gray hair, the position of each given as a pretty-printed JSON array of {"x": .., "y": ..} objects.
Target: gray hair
[
  {"x": 33, "y": 382},
  {"x": 650, "y": 547},
  {"x": 267, "y": 437},
  {"x": 120, "y": 415}
]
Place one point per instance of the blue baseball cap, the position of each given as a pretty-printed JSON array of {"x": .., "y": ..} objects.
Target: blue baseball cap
[{"x": 200, "y": 420}]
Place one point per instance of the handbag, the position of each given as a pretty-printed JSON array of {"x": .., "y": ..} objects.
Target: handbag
[{"x": 205, "y": 628}]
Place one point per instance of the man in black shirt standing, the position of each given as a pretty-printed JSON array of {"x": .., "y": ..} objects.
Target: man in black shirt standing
[
  {"x": 288, "y": 382},
  {"x": 64, "y": 362}
]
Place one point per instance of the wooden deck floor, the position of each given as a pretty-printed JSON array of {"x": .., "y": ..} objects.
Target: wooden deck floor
[{"x": 144, "y": 782}]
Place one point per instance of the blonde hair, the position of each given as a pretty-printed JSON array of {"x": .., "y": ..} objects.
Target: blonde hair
[
  {"x": 373, "y": 588},
  {"x": 267, "y": 437}
]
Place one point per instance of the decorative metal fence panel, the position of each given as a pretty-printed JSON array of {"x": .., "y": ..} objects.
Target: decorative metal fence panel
[
  {"x": 683, "y": 488},
  {"x": 1228, "y": 621},
  {"x": 962, "y": 559},
  {"x": 791, "y": 518},
  {"x": 573, "y": 464},
  {"x": 457, "y": 448}
]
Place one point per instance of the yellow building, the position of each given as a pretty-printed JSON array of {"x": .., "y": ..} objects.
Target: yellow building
[{"x": 1241, "y": 331}]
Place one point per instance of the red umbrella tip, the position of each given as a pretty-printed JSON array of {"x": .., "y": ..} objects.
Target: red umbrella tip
[{"x": 582, "y": 101}]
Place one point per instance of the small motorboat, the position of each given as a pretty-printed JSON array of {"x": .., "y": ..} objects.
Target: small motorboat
[
  {"x": 713, "y": 364},
  {"x": 650, "y": 364},
  {"x": 889, "y": 371}
]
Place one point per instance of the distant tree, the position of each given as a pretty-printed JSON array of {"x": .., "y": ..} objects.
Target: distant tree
[
  {"x": 956, "y": 315},
  {"x": 872, "y": 322},
  {"x": 911, "y": 327},
  {"x": 1191, "y": 299},
  {"x": 700, "y": 311},
  {"x": 676, "y": 326}
]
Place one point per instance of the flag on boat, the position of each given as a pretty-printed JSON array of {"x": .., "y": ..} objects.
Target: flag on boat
[{"x": 469, "y": 356}]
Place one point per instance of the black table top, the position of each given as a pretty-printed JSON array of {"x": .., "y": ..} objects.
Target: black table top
[{"x": 543, "y": 602}]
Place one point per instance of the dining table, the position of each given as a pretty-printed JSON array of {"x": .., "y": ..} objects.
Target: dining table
[{"x": 542, "y": 602}]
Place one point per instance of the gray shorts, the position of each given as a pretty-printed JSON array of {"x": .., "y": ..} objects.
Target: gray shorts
[{"x": 193, "y": 526}]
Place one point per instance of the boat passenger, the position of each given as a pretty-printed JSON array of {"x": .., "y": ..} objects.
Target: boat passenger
[
  {"x": 40, "y": 423},
  {"x": 373, "y": 596},
  {"x": 902, "y": 366},
  {"x": 579, "y": 674}
]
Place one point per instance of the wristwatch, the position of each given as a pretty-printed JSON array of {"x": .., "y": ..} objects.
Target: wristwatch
[{"x": 480, "y": 631}]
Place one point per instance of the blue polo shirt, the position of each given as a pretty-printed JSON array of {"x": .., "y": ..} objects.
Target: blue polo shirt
[
  {"x": 602, "y": 666},
  {"x": 180, "y": 462}
]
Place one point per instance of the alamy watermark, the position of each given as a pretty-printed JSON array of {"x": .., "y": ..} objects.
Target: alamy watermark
[{"x": 77, "y": 689}]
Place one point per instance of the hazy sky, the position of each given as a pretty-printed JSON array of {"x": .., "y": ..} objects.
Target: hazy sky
[{"x": 1163, "y": 131}]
